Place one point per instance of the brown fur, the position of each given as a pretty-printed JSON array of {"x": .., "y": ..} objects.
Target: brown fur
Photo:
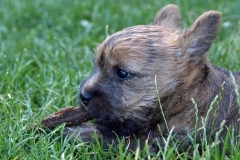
[{"x": 177, "y": 59}]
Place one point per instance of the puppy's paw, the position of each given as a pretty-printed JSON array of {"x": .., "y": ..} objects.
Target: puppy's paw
[
  {"x": 84, "y": 132},
  {"x": 88, "y": 133}
]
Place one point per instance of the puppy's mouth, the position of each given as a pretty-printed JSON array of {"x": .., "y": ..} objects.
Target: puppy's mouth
[
  {"x": 111, "y": 126},
  {"x": 109, "y": 122},
  {"x": 102, "y": 113}
]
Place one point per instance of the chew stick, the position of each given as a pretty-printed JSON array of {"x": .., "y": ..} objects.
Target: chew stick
[{"x": 70, "y": 115}]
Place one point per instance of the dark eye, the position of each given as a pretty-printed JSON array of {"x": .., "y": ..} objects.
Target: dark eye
[{"x": 122, "y": 74}]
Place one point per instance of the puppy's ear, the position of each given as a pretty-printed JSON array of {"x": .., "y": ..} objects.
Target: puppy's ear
[
  {"x": 168, "y": 17},
  {"x": 198, "y": 39}
]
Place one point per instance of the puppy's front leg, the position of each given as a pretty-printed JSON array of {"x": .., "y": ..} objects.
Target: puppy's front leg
[{"x": 88, "y": 132}]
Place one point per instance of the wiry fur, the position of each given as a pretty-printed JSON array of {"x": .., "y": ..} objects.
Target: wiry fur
[{"x": 177, "y": 59}]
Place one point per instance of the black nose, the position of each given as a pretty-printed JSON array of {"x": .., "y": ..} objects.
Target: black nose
[{"x": 86, "y": 98}]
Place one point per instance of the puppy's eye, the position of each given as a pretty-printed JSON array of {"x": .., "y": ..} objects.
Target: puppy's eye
[{"x": 122, "y": 74}]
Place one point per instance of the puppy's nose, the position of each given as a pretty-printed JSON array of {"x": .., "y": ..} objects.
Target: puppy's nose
[{"x": 86, "y": 98}]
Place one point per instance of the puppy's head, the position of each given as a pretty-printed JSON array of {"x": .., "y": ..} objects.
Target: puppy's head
[{"x": 132, "y": 64}]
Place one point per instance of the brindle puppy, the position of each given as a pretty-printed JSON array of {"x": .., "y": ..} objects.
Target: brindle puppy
[{"x": 135, "y": 64}]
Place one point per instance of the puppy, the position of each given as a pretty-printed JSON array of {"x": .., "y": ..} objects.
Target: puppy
[{"x": 145, "y": 78}]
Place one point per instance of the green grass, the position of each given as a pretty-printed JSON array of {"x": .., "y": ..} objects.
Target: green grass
[{"x": 45, "y": 51}]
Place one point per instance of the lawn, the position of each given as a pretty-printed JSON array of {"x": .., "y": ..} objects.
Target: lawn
[{"x": 46, "y": 50}]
